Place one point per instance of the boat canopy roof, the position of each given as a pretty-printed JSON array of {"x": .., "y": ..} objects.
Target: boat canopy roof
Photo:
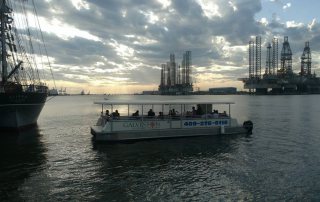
[{"x": 157, "y": 102}]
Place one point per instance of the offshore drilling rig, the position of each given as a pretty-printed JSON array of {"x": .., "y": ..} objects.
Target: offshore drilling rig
[
  {"x": 176, "y": 80},
  {"x": 280, "y": 80}
]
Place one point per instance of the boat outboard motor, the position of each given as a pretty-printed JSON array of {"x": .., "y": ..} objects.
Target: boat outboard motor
[{"x": 248, "y": 125}]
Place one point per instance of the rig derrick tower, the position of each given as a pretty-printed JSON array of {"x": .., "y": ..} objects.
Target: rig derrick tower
[
  {"x": 306, "y": 61},
  {"x": 168, "y": 74},
  {"x": 173, "y": 70},
  {"x": 251, "y": 66},
  {"x": 286, "y": 58},
  {"x": 251, "y": 59},
  {"x": 282, "y": 79},
  {"x": 268, "y": 60},
  {"x": 163, "y": 75},
  {"x": 188, "y": 67},
  {"x": 275, "y": 56},
  {"x": 176, "y": 79},
  {"x": 183, "y": 70},
  {"x": 258, "y": 56}
]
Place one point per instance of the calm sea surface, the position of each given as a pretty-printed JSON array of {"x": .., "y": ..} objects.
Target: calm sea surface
[{"x": 59, "y": 162}]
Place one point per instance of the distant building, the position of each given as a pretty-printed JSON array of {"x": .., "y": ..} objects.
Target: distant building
[
  {"x": 150, "y": 92},
  {"x": 223, "y": 90}
]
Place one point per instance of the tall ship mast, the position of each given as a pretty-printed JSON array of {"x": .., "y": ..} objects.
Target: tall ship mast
[{"x": 22, "y": 93}]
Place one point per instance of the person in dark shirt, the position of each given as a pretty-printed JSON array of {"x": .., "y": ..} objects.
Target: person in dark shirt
[
  {"x": 194, "y": 111},
  {"x": 160, "y": 116},
  {"x": 116, "y": 115},
  {"x": 136, "y": 113},
  {"x": 151, "y": 113},
  {"x": 199, "y": 110},
  {"x": 107, "y": 113}
]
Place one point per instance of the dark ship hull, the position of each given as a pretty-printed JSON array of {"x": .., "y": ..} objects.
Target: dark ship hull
[{"x": 20, "y": 110}]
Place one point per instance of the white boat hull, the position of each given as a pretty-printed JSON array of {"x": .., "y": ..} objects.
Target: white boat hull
[
  {"x": 157, "y": 129},
  {"x": 173, "y": 133}
]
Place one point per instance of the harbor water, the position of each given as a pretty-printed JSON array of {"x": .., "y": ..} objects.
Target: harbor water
[{"x": 58, "y": 161}]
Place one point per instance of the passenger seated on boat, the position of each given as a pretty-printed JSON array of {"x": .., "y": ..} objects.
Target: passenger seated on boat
[
  {"x": 151, "y": 113},
  {"x": 199, "y": 110},
  {"x": 215, "y": 114},
  {"x": 116, "y": 114},
  {"x": 224, "y": 114},
  {"x": 172, "y": 112},
  {"x": 107, "y": 115},
  {"x": 188, "y": 114},
  {"x": 160, "y": 116},
  {"x": 136, "y": 113},
  {"x": 194, "y": 111}
]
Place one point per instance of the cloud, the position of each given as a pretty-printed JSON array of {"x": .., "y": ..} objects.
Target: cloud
[
  {"x": 312, "y": 24},
  {"x": 286, "y": 6},
  {"x": 80, "y": 4},
  {"x": 292, "y": 24},
  {"x": 118, "y": 44}
]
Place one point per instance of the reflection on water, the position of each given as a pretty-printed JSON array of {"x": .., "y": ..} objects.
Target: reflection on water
[
  {"x": 152, "y": 169},
  {"x": 168, "y": 147},
  {"x": 21, "y": 154},
  {"x": 279, "y": 161}
]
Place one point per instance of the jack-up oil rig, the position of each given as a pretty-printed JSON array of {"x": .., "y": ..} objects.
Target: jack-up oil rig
[
  {"x": 176, "y": 79},
  {"x": 279, "y": 80}
]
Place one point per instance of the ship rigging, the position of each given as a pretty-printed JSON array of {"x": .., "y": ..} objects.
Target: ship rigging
[{"x": 22, "y": 92}]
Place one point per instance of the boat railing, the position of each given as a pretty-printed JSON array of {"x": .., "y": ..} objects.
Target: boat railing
[
  {"x": 35, "y": 88},
  {"x": 13, "y": 87},
  {"x": 204, "y": 121},
  {"x": 164, "y": 117},
  {"x": 197, "y": 116}
]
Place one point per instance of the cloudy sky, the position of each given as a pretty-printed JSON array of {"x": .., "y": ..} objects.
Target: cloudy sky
[{"x": 117, "y": 46}]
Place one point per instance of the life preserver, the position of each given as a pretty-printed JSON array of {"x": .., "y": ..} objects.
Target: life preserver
[{"x": 248, "y": 125}]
